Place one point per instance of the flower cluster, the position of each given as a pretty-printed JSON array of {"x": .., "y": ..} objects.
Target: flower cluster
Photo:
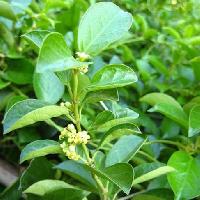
[
  {"x": 72, "y": 138},
  {"x": 67, "y": 104},
  {"x": 70, "y": 151}
]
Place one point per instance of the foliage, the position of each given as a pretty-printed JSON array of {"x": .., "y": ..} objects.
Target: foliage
[{"x": 101, "y": 98}]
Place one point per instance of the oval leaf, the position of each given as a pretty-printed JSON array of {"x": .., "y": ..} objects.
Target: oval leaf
[
  {"x": 78, "y": 172},
  {"x": 112, "y": 76},
  {"x": 28, "y": 112},
  {"x": 48, "y": 87},
  {"x": 102, "y": 24},
  {"x": 40, "y": 148},
  {"x": 166, "y": 105},
  {"x": 120, "y": 174},
  {"x": 153, "y": 174},
  {"x": 194, "y": 121},
  {"x": 66, "y": 194},
  {"x": 124, "y": 149},
  {"x": 54, "y": 55},
  {"x": 36, "y": 37},
  {"x": 49, "y": 189},
  {"x": 185, "y": 180}
]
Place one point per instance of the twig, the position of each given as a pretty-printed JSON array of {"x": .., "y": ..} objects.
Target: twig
[{"x": 8, "y": 173}]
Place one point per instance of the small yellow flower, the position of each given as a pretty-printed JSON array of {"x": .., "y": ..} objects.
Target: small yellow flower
[
  {"x": 68, "y": 104},
  {"x": 64, "y": 147},
  {"x": 62, "y": 104},
  {"x": 71, "y": 153},
  {"x": 82, "y": 56},
  {"x": 63, "y": 134},
  {"x": 71, "y": 128},
  {"x": 84, "y": 69},
  {"x": 81, "y": 137},
  {"x": 174, "y": 2}
]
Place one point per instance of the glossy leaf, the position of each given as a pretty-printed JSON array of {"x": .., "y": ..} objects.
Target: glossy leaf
[
  {"x": 78, "y": 172},
  {"x": 101, "y": 25},
  {"x": 194, "y": 102},
  {"x": 124, "y": 149},
  {"x": 28, "y": 112},
  {"x": 185, "y": 180},
  {"x": 153, "y": 174},
  {"x": 106, "y": 120},
  {"x": 101, "y": 95},
  {"x": 43, "y": 187},
  {"x": 40, "y": 148},
  {"x": 66, "y": 194},
  {"x": 194, "y": 121},
  {"x": 36, "y": 37},
  {"x": 118, "y": 131},
  {"x": 54, "y": 55},
  {"x": 24, "y": 66},
  {"x": 40, "y": 188},
  {"x": 48, "y": 87},
  {"x": 166, "y": 105},
  {"x": 112, "y": 76},
  {"x": 120, "y": 174},
  {"x": 38, "y": 169}
]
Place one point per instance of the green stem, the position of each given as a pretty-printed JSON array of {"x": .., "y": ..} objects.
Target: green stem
[
  {"x": 166, "y": 142},
  {"x": 102, "y": 190},
  {"x": 147, "y": 156},
  {"x": 52, "y": 123},
  {"x": 75, "y": 99}
]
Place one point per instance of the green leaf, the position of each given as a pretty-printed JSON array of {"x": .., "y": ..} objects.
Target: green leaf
[
  {"x": 106, "y": 119},
  {"x": 78, "y": 172},
  {"x": 48, "y": 87},
  {"x": 160, "y": 67},
  {"x": 112, "y": 76},
  {"x": 166, "y": 105},
  {"x": 3, "y": 84},
  {"x": 43, "y": 187},
  {"x": 102, "y": 118},
  {"x": 28, "y": 112},
  {"x": 185, "y": 180},
  {"x": 12, "y": 192},
  {"x": 118, "y": 131},
  {"x": 6, "y": 10},
  {"x": 101, "y": 25},
  {"x": 64, "y": 76},
  {"x": 36, "y": 37},
  {"x": 40, "y": 148},
  {"x": 146, "y": 167},
  {"x": 124, "y": 149},
  {"x": 153, "y": 174},
  {"x": 24, "y": 66},
  {"x": 54, "y": 55},
  {"x": 66, "y": 194},
  {"x": 120, "y": 174},
  {"x": 101, "y": 95},
  {"x": 194, "y": 121},
  {"x": 40, "y": 188},
  {"x": 38, "y": 169},
  {"x": 156, "y": 98},
  {"x": 194, "y": 102},
  {"x": 7, "y": 35}
]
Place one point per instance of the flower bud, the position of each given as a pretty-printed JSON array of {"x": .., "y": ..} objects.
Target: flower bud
[{"x": 82, "y": 56}]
